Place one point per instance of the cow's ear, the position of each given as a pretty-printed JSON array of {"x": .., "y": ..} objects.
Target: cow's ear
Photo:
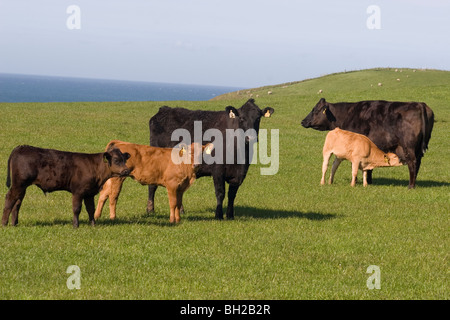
[
  {"x": 107, "y": 158},
  {"x": 232, "y": 112},
  {"x": 323, "y": 104},
  {"x": 327, "y": 112},
  {"x": 267, "y": 112}
]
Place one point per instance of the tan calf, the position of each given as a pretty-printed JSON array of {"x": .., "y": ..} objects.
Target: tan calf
[
  {"x": 152, "y": 165},
  {"x": 358, "y": 149}
]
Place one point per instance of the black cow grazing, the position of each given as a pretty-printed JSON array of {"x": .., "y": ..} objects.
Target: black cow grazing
[
  {"x": 403, "y": 128},
  {"x": 51, "y": 170},
  {"x": 246, "y": 117}
]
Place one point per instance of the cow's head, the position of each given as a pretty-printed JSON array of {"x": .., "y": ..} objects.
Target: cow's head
[
  {"x": 248, "y": 116},
  {"x": 320, "y": 118},
  {"x": 392, "y": 159},
  {"x": 116, "y": 161}
]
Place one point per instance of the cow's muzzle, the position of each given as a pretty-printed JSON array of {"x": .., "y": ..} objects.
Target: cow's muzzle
[{"x": 125, "y": 173}]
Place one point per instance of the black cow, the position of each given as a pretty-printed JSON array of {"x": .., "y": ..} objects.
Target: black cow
[
  {"x": 81, "y": 174},
  {"x": 400, "y": 127},
  {"x": 246, "y": 117}
]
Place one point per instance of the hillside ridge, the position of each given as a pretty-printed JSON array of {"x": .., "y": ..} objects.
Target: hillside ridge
[{"x": 358, "y": 80}]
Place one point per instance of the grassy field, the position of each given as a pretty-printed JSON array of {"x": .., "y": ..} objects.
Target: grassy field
[{"x": 291, "y": 238}]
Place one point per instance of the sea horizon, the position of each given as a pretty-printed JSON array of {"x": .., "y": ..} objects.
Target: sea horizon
[{"x": 43, "y": 88}]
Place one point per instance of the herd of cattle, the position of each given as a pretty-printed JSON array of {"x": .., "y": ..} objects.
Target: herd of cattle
[{"x": 368, "y": 133}]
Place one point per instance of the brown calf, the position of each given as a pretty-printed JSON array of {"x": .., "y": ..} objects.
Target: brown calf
[
  {"x": 81, "y": 174},
  {"x": 357, "y": 148},
  {"x": 153, "y": 165}
]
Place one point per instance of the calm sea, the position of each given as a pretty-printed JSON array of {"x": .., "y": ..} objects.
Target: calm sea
[{"x": 28, "y": 88}]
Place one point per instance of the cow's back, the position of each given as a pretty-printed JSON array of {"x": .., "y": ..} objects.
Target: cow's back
[
  {"x": 50, "y": 169},
  {"x": 167, "y": 120},
  {"x": 388, "y": 124},
  {"x": 344, "y": 144},
  {"x": 151, "y": 165}
]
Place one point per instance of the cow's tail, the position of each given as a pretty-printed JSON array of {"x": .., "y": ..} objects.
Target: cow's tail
[
  {"x": 154, "y": 127},
  {"x": 8, "y": 174},
  {"x": 427, "y": 127}
]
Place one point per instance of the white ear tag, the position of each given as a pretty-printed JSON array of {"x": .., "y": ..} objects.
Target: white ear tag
[{"x": 232, "y": 115}]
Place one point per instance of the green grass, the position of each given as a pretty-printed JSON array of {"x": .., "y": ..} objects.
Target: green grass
[{"x": 291, "y": 238}]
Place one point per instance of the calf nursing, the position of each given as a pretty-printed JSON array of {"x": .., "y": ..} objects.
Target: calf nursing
[
  {"x": 359, "y": 150},
  {"x": 154, "y": 165}
]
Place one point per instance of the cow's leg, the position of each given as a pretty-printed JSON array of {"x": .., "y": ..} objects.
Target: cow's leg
[
  {"x": 365, "y": 178},
  {"x": 179, "y": 205},
  {"x": 410, "y": 158},
  {"x": 16, "y": 208},
  {"x": 114, "y": 191},
  {"x": 103, "y": 196},
  {"x": 334, "y": 168},
  {"x": 326, "y": 159},
  {"x": 418, "y": 162},
  {"x": 412, "y": 174},
  {"x": 232, "y": 190},
  {"x": 13, "y": 201},
  {"x": 151, "y": 198},
  {"x": 172, "y": 193},
  {"x": 10, "y": 201},
  {"x": 76, "y": 207},
  {"x": 369, "y": 176},
  {"x": 219, "y": 185},
  {"x": 411, "y": 161},
  {"x": 355, "y": 167},
  {"x": 90, "y": 208}
]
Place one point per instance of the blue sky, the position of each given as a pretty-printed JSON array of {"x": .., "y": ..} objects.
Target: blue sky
[{"x": 245, "y": 43}]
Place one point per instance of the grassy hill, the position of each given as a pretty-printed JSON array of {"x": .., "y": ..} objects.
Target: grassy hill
[
  {"x": 375, "y": 83},
  {"x": 291, "y": 238}
]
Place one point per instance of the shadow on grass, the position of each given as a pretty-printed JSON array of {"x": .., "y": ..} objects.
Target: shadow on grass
[
  {"x": 405, "y": 183},
  {"x": 259, "y": 213},
  {"x": 162, "y": 219},
  {"x": 143, "y": 219}
]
